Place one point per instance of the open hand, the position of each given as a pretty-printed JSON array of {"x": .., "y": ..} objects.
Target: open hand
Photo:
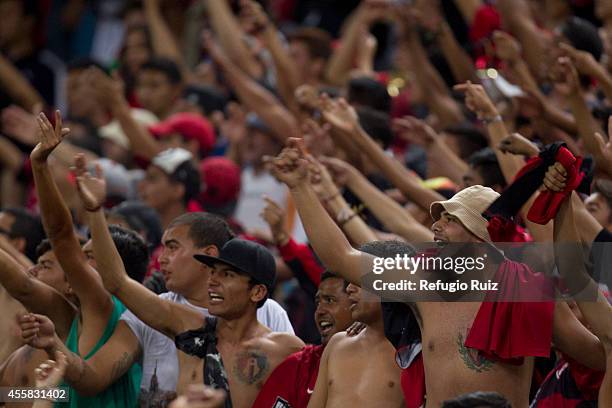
[
  {"x": 49, "y": 137},
  {"x": 51, "y": 372},
  {"x": 92, "y": 189},
  {"x": 339, "y": 114}
]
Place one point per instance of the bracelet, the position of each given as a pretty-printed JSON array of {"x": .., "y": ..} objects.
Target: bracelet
[
  {"x": 92, "y": 209},
  {"x": 344, "y": 216},
  {"x": 488, "y": 121}
]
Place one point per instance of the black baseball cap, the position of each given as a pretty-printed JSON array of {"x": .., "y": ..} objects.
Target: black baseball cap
[{"x": 246, "y": 257}]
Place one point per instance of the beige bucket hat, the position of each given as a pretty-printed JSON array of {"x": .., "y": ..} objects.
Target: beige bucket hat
[{"x": 468, "y": 205}]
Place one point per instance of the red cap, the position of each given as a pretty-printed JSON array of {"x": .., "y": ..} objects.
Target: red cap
[
  {"x": 189, "y": 125},
  {"x": 221, "y": 181}
]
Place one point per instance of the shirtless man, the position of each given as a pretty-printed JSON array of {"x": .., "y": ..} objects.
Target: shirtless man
[
  {"x": 239, "y": 283},
  {"x": 360, "y": 371},
  {"x": 443, "y": 326},
  {"x": 292, "y": 383}
]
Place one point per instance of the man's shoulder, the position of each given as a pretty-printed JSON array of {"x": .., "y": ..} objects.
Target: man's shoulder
[{"x": 284, "y": 341}]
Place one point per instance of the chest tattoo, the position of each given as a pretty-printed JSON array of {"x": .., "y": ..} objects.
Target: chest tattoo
[
  {"x": 250, "y": 366},
  {"x": 472, "y": 358}
]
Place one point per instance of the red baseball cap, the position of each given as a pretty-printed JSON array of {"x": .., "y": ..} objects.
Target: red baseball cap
[
  {"x": 190, "y": 126},
  {"x": 220, "y": 181}
]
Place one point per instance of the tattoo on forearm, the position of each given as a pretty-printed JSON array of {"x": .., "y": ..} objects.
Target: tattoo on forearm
[
  {"x": 472, "y": 358},
  {"x": 121, "y": 366},
  {"x": 251, "y": 366}
]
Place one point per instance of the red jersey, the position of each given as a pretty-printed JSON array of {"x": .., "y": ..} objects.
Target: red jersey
[{"x": 292, "y": 383}]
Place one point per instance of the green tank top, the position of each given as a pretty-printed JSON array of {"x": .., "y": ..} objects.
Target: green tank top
[{"x": 124, "y": 392}]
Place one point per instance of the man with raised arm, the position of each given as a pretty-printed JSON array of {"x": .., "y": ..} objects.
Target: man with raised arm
[
  {"x": 253, "y": 350},
  {"x": 99, "y": 312},
  {"x": 444, "y": 326}
]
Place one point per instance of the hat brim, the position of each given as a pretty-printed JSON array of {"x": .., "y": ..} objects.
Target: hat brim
[
  {"x": 474, "y": 223},
  {"x": 213, "y": 260}
]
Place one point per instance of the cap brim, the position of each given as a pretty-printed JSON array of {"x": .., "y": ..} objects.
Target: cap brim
[{"x": 213, "y": 260}]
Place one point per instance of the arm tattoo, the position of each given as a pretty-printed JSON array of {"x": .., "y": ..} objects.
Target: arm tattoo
[
  {"x": 472, "y": 358},
  {"x": 121, "y": 366},
  {"x": 251, "y": 366}
]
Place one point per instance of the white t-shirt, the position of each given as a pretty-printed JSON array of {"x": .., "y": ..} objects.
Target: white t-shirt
[
  {"x": 160, "y": 354},
  {"x": 251, "y": 202}
]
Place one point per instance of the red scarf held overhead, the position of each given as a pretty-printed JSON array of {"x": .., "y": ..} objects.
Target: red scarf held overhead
[{"x": 547, "y": 204}]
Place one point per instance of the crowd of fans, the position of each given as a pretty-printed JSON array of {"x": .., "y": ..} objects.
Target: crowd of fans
[{"x": 192, "y": 190}]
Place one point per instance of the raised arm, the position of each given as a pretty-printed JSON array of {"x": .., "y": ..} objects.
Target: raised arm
[
  {"x": 164, "y": 316},
  {"x": 326, "y": 238},
  {"x": 84, "y": 280},
  {"x": 254, "y": 96},
  {"x": 442, "y": 161},
  {"x": 341, "y": 61},
  {"x": 565, "y": 74},
  {"x": 231, "y": 37},
  {"x": 517, "y": 17},
  {"x": 109, "y": 92},
  {"x": 18, "y": 88},
  {"x": 437, "y": 96},
  {"x": 343, "y": 117},
  {"x": 393, "y": 216},
  {"x": 163, "y": 41},
  {"x": 355, "y": 228},
  {"x": 287, "y": 75}
]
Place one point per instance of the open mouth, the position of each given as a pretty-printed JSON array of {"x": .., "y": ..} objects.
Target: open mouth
[
  {"x": 214, "y": 298},
  {"x": 325, "y": 327}
]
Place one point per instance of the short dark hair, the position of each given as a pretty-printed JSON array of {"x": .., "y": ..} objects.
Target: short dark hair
[
  {"x": 478, "y": 399},
  {"x": 82, "y": 63},
  {"x": 471, "y": 139},
  {"x": 366, "y": 91},
  {"x": 485, "y": 163},
  {"x": 132, "y": 250},
  {"x": 318, "y": 42},
  {"x": 43, "y": 248},
  {"x": 204, "y": 229},
  {"x": 377, "y": 124},
  {"x": 604, "y": 187},
  {"x": 27, "y": 226},
  {"x": 329, "y": 275},
  {"x": 189, "y": 176},
  {"x": 166, "y": 67},
  {"x": 583, "y": 35},
  {"x": 387, "y": 249},
  {"x": 140, "y": 216}
]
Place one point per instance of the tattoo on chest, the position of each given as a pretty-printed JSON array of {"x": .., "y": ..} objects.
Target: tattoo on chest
[
  {"x": 472, "y": 358},
  {"x": 250, "y": 366}
]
